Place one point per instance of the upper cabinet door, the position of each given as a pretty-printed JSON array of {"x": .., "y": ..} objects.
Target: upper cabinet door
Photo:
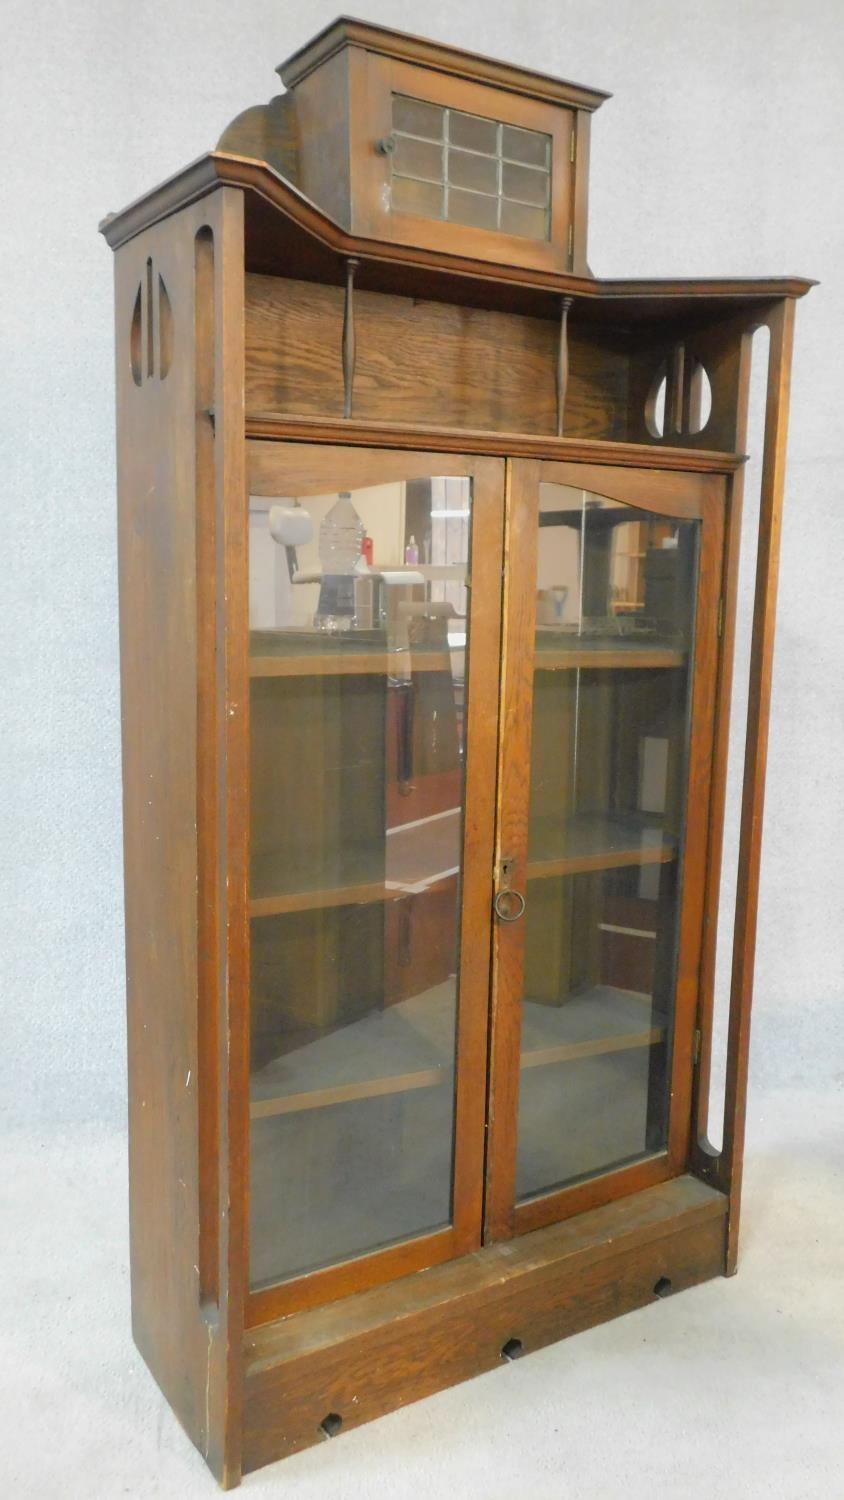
[
  {"x": 455, "y": 165},
  {"x": 374, "y": 677},
  {"x": 610, "y": 657}
]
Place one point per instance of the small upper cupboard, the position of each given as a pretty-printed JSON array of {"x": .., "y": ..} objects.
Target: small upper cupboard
[{"x": 428, "y": 568}]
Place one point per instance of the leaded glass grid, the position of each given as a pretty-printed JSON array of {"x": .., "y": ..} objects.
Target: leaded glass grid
[{"x": 467, "y": 169}]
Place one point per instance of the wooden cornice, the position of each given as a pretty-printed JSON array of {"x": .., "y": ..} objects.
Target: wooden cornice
[
  {"x": 348, "y": 32},
  {"x": 424, "y": 271},
  {"x": 356, "y": 433}
]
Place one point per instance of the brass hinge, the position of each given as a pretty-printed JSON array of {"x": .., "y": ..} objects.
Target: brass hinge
[
  {"x": 720, "y": 617},
  {"x": 696, "y": 1046},
  {"x": 571, "y": 243}
]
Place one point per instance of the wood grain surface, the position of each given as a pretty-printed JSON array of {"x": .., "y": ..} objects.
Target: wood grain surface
[
  {"x": 373, "y": 1353},
  {"x": 426, "y": 362},
  {"x": 179, "y": 489}
]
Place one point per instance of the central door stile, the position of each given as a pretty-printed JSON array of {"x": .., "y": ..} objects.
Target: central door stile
[
  {"x": 521, "y": 512},
  {"x": 478, "y": 850}
]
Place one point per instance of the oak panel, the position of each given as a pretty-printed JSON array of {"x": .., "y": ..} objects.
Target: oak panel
[
  {"x": 425, "y": 362},
  {"x": 181, "y": 502},
  {"x": 371, "y": 1354}
]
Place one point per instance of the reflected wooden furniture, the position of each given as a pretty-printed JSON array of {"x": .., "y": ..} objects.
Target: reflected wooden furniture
[{"x": 421, "y": 930}]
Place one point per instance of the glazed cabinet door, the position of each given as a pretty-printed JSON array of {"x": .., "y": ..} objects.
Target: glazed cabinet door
[
  {"x": 609, "y": 661},
  {"x": 374, "y": 646}
]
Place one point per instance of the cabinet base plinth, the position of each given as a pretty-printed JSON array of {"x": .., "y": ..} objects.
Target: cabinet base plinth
[{"x": 318, "y": 1373}]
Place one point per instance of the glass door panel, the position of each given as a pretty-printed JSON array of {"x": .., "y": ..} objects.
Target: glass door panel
[
  {"x": 616, "y": 589},
  {"x": 359, "y": 651},
  {"x": 609, "y": 659},
  {"x": 612, "y": 693}
]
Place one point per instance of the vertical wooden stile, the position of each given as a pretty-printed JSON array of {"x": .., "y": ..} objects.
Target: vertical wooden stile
[
  {"x": 781, "y": 324},
  {"x": 207, "y": 771}
]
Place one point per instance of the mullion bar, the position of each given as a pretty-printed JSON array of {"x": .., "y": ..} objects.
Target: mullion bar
[{"x": 499, "y": 146}]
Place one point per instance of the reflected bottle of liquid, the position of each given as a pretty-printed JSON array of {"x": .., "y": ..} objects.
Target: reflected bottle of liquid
[{"x": 340, "y": 539}]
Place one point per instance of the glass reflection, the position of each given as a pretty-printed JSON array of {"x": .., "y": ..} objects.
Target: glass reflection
[
  {"x": 358, "y": 616},
  {"x": 612, "y": 681}
]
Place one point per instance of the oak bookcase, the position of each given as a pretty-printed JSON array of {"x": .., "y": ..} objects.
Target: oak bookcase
[{"x": 421, "y": 888}]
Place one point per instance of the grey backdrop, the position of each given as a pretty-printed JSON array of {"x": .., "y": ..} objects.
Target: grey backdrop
[{"x": 720, "y": 153}]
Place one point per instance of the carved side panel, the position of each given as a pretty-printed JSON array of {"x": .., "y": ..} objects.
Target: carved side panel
[
  {"x": 267, "y": 132},
  {"x": 181, "y": 498},
  {"x": 684, "y": 362}
]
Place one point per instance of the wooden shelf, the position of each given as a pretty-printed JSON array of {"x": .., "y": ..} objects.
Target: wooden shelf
[
  {"x": 415, "y": 857},
  {"x": 596, "y": 841},
  {"x": 425, "y": 856},
  {"x": 601, "y": 1020},
  {"x": 595, "y": 654},
  {"x": 410, "y": 1046},
  {"x": 404, "y": 1046},
  {"x": 352, "y": 663},
  {"x": 610, "y": 652}
]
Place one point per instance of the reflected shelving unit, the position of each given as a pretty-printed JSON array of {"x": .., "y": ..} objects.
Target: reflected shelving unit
[{"x": 429, "y": 547}]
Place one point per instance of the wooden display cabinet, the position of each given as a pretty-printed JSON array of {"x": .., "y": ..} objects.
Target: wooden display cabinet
[{"x": 428, "y": 568}]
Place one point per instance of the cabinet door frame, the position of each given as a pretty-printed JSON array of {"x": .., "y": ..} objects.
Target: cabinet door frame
[
  {"x": 284, "y": 467},
  {"x": 679, "y": 495}
]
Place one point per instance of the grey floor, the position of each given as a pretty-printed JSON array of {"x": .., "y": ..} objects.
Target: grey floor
[{"x": 733, "y": 1389}]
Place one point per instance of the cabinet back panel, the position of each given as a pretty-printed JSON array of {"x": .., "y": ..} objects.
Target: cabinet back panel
[{"x": 429, "y": 363}]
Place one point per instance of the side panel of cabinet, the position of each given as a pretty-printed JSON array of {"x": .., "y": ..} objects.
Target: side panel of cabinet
[{"x": 179, "y": 322}]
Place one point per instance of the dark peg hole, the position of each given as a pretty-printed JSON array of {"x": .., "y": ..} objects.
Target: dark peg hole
[
  {"x": 512, "y": 1349},
  {"x": 330, "y": 1425},
  {"x": 663, "y": 1287}
]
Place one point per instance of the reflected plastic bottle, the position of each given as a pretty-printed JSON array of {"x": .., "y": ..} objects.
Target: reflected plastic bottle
[{"x": 340, "y": 539}]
